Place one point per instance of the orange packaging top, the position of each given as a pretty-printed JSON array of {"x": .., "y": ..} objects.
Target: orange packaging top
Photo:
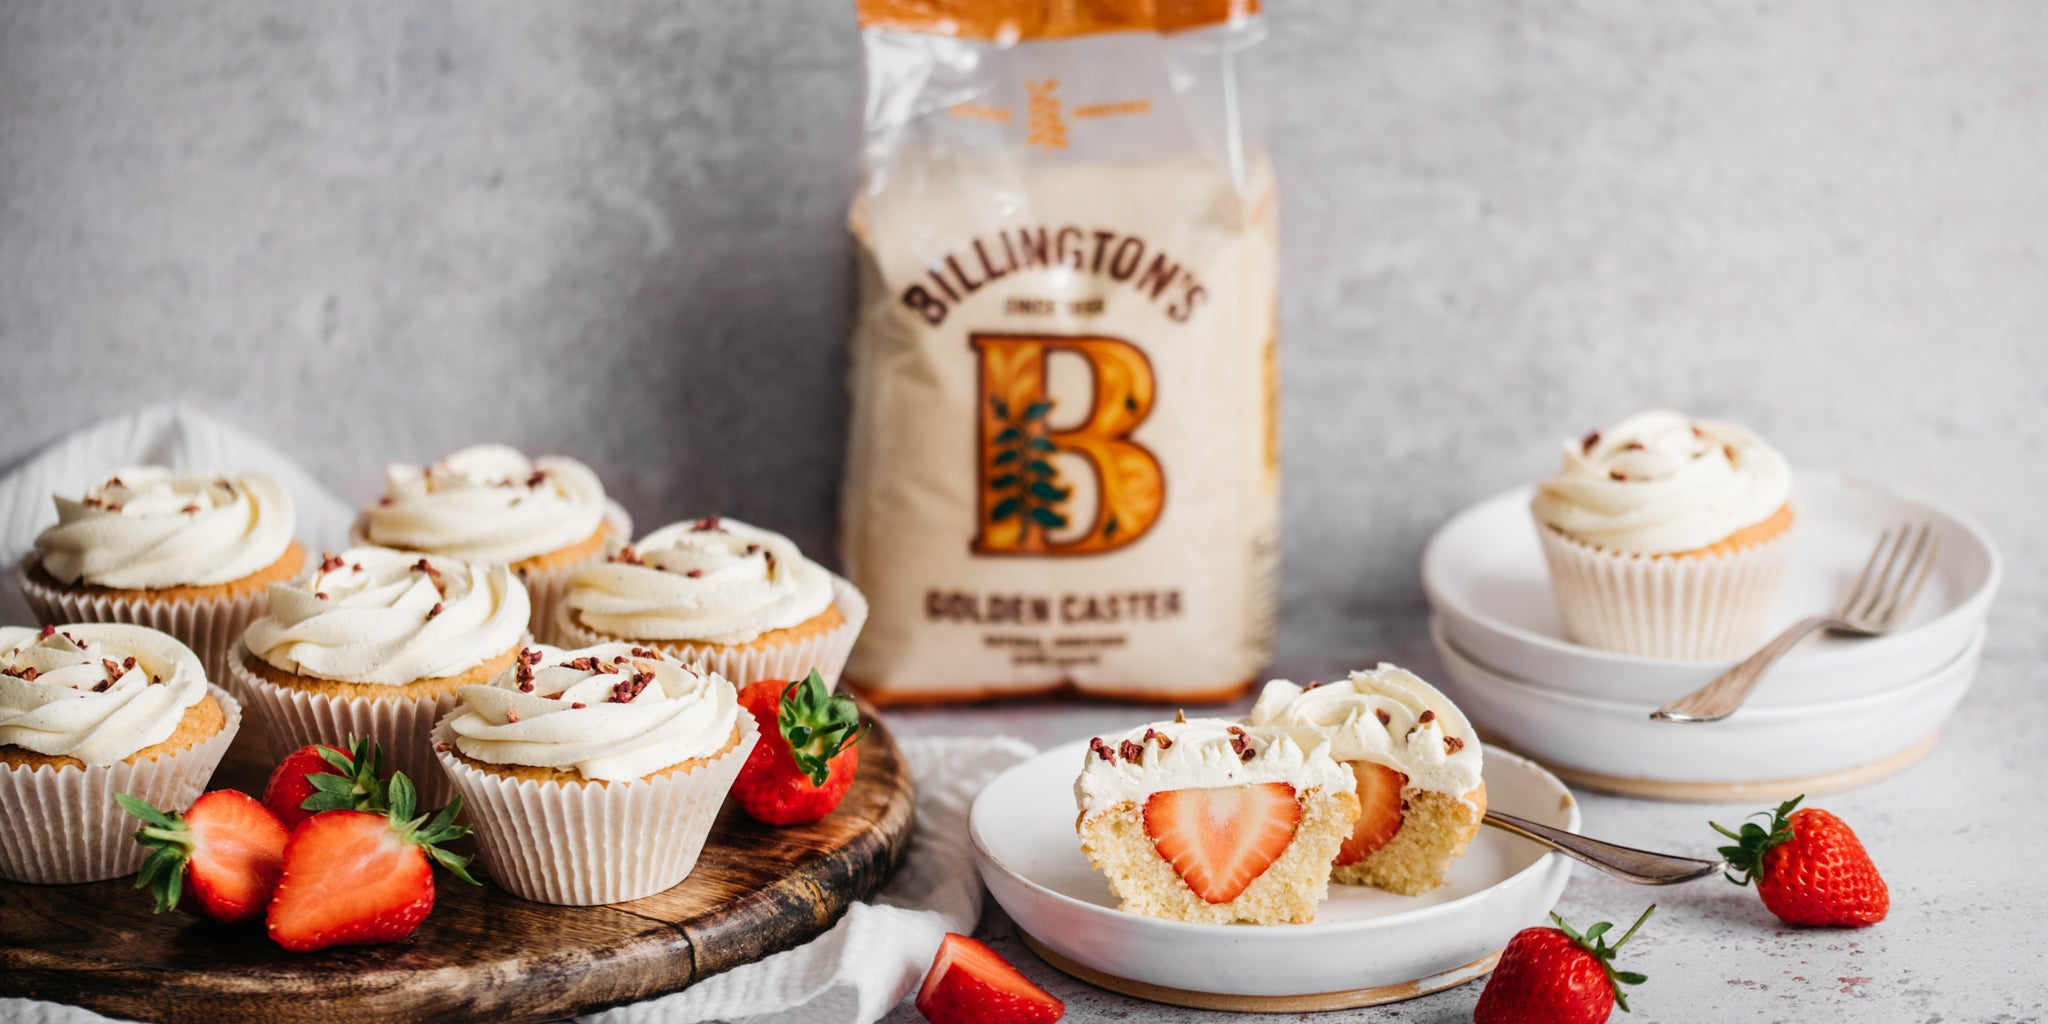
[{"x": 1016, "y": 20}]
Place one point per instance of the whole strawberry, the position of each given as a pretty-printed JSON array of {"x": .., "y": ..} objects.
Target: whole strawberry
[
  {"x": 807, "y": 754},
  {"x": 320, "y": 778},
  {"x": 1808, "y": 867},
  {"x": 1557, "y": 976}
]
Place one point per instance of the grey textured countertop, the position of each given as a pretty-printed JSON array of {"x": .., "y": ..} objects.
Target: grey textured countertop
[{"x": 1965, "y": 939}]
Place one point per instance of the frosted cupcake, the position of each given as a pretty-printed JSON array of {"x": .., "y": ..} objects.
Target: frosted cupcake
[
  {"x": 1417, "y": 762},
  {"x": 1213, "y": 822},
  {"x": 375, "y": 643},
  {"x": 489, "y": 504},
  {"x": 188, "y": 554},
  {"x": 1666, "y": 536},
  {"x": 737, "y": 599},
  {"x": 594, "y": 775},
  {"x": 88, "y": 711}
]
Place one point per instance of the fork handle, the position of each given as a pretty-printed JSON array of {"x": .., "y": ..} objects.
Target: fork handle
[
  {"x": 1720, "y": 698},
  {"x": 1626, "y": 862}
]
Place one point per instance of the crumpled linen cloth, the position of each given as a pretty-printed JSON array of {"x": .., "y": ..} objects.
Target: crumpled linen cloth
[{"x": 853, "y": 974}]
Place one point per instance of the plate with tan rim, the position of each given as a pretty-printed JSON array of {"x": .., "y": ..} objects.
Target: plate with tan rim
[{"x": 1364, "y": 947}]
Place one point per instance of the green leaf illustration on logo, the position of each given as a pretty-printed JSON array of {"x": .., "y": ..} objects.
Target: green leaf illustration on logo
[{"x": 1023, "y": 478}]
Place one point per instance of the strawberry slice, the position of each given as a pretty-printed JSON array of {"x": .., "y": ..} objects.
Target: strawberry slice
[
  {"x": 226, "y": 847},
  {"x": 970, "y": 984},
  {"x": 322, "y": 778},
  {"x": 356, "y": 878},
  {"x": 1221, "y": 840},
  {"x": 1380, "y": 809}
]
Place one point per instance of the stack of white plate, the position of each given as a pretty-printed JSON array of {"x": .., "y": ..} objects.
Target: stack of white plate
[{"x": 1834, "y": 713}]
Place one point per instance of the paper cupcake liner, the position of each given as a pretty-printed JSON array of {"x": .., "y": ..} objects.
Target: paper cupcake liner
[
  {"x": 63, "y": 826},
  {"x": 213, "y": 629},
  {"x": 1705, "y": 607},
  {"x": 826, "y": 652},
  {"x": 547, "y": 590},
  {"x": 403, "y": 728},
  {"x": 584, "y": 844}
]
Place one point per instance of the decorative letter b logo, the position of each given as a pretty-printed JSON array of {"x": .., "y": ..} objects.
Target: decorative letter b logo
[{"x": 1024, "y": 503}]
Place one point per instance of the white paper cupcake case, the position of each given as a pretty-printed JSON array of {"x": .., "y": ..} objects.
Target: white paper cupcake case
[
  {"x": 826, "y": 652},
  {"x": 403, "y": 728},
  {"x": 584, "y": 844},
  {"x": 1706, "y": 607},
  {"x": 213, "y": 629},
  {"x": 63, "y": 826}
]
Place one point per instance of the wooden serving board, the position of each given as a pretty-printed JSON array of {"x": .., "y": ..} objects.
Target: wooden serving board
[{"x": 483, "y": 954}]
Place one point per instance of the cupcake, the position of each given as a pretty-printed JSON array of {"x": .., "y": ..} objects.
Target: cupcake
[
  {"x": 593, "y": 776},
  {"x": 491, "y": 505},
  {"x": 1417, "y": 761},
  {"x": 737, "y": 599},
  {"x": 189, "y": 554},
  {"x": 375, "y": 643},
  {"x": 1667, "y": 537},
  {"x": 89, "y": 711}
]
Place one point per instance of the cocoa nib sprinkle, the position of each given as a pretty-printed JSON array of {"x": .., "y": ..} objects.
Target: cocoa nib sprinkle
[
  {"x": 753, "y": 549},
  {"x": 435, "y": 610},
  {"x": 1132, "y": 750},
  {"x": 1102, "y": 750},
  {"x": 128, "y": 662},
  {"x": 319, "y": 595},
  {"x": 628, "y": 556},
  {"x": 426, "y": 567},
  {"x": 1180, "y": 716},
  {"x": 51, "y": 631},
  {"x": 386, "y": 501},
  {"x": 1586, "y": 443},
  {"x": 529, "y": 655},
  {"x": 1240, "y": 742},
  {"x": 1164, "y": 741},
  {"x": 625, "y": 690},
  {"x": 643, "y": 652},
  {"x": 511, "y": 715},
  {"x": 1634, "y": 446},
  {"x": 1426, "y": 717},
  {"x": 23, "y": 672},
  {"x": 1382, "y": 715},
  {"x": 1452, "y": 744},
  {"x": 1615, "y": 474},
  {"x": 577, "y": 705},
  {"x": 539, "y": 477},
  {"x": 694, "y": 573},
  {"x": 329, "y": 561},
  {"x": 708, "y": 524},
  {"x": 190, "y": 510}
]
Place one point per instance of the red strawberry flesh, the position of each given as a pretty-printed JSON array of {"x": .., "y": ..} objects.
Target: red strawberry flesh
[
  {"x": 1221, "y": 840},
  {"x": 348, "y": 880},
  {"x": 1381, "y": 811},
  {"x": 970, "y": 984}
]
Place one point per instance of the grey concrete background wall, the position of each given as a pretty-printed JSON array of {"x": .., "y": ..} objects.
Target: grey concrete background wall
[{"x": 615, "y": 228}]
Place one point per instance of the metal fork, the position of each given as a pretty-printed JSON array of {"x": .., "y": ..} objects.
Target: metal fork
[
  {"x": 1880, "y": 598},
  {"x": 1639, "y": 866}
]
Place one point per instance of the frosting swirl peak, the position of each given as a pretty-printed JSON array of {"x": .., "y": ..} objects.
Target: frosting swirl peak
[
  {"x": 98, "y": 692},
  {"x": 713, "y": 580},
  {"x": 486, "y": 503},
  {"x": 150, "y": 528},
  {"x": 1659, "y": 483},
  {"x": 1387, "y": 716}
]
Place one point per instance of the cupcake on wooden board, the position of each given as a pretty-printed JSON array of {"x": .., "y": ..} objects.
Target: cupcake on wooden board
[
  {"x": 1214, "y": 822},
  {"x": 491, "y": 505},
  {"x": 375, "y": 643},
  {"x": 1667, "y": 536},
  {"x": 188, "y": 554},
  {"x": 737, "y": 599},
  {"x": 1420, "y": 789},
  {"x": 88, "y": 711},
  {"x": 594, "y": 775}
]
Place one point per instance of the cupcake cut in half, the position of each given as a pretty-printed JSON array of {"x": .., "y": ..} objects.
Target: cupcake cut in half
[
  {"x": 188, "y": 554},
  {"x": 1210, "y": 821},
  {"x": 1418, "y": 767},
  {"x": 740, "y": 600},
  {"x": 375, "y": 643},
  {"x": 88, "y": 711},
  {"x": 1666, "y": 536}
]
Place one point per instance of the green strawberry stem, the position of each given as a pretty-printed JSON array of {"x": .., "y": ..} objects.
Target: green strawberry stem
[
  {"x": 425, "y": 833},
  {"x": 817, "y": 725},
  {"x": 358, "y": 787},
  {"x": 1754, "y": 841},
  {"x": 170, "y": 845},
  {"x": 1594, "y": 942}
]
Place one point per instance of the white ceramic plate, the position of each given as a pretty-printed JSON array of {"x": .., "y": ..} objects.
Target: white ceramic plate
[
  {"x": 1756, "y": 744},
  {"x": 1022, "y": 826},
  {"x": 1484, "y": 574}
]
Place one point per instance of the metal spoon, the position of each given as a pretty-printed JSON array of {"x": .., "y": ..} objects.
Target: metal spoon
[{"x": 1626, "y": 862}]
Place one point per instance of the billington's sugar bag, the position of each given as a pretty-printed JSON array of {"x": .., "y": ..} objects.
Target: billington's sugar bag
[{"x": 1064, "y": 458}]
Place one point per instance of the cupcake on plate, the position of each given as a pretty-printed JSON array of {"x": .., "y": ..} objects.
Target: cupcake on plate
[
  {"x": 375, "y": 643},
  {"x": 1667, "y": 536},
  {"x": 188, "y": 554},
  {"x": 491, "y": 505},
  {"x": 737, "y": 599},
  {"x": 88, "y": 711},
  {"x": 593, "y": 775}
]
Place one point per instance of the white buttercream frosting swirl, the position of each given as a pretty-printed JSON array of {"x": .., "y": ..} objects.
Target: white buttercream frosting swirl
[
  {"x": 1659, "y": 483},
  {"x": 149, "y": 528},
  {"x": 1387, "y": 716},
  {"x": 1200, "y": 753},
  {"x": 96, "y": 692},
  {"x": 713, "y": 580},
  {"x": 486, "y": 503},
  {"x": 610, "y": 711},
  {"x": 374, "y": 615}
]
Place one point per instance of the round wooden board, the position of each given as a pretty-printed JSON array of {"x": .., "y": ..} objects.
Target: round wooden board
[
  {"x": 1307, "y": 1002},
  {"x": 483, "y": 954}
]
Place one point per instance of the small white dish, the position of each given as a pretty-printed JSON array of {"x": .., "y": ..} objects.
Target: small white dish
[
  {"x": 1022, "y": 827},
  {"x": 1758, "y": 751},
  {"x": 1485, "y": 578}
]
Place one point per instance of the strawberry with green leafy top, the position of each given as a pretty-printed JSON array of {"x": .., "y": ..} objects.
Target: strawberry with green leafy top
[
  {"x": 220, "y": 859},
  {"x": 356, "y": 878},
  {"x": 1557, "y": 976},
  {"x": 320, "y": 778},
  {"x": 807, "y": 755},
  {"x": 1809, "y": 867}
]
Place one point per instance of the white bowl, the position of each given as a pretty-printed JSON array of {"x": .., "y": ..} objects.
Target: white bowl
[
  {"x": 1581, "y": 736},
  {"x": 1484, "y": 574},
  {"x": 1022, "y": 826}
]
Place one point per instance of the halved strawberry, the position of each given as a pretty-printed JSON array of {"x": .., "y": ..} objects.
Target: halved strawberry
[
  {"x": 228, "y": 847},
  {"x": 1380, "y": 809},
  {"x": 354, "y": 878},
  {"x": 321, "y": 778},
  {"x": 970, "y": 984},
  {"x": 1221, "y": 840}
]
